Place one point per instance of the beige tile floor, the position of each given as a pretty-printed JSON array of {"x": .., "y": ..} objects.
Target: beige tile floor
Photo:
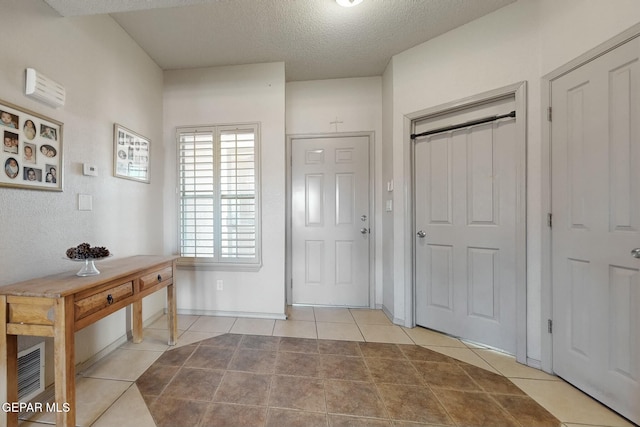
[{"x": 107, "y": 394}]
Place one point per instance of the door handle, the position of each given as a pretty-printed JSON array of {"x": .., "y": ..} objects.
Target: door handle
[
  {"x": 635, "y": 253},
  {"x": 364, "y": 230},
  {"x": 421, "y": 234}
]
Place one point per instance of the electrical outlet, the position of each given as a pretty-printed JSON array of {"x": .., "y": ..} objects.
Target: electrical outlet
[{"x": 219, "y": 284}]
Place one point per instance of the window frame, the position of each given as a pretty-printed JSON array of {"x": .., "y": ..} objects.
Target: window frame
[{"x": 217, "y": 262}]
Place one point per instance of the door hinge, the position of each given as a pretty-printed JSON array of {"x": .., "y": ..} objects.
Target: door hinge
[
  {"x": 550, "y": 219},
  {"x": 550, "y": 326},
  {"x": 549, "y": 114}
]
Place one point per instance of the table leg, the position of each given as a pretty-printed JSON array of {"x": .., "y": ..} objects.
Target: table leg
[
  {"x": 64, "y": 362},
  {"x": 8, "y": 368},
  {"x": 137, "y": 322},
  {"x": 172, "y": 317}
]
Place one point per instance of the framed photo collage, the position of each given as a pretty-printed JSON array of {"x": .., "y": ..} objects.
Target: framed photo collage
[{"x": 31, "y": 151}]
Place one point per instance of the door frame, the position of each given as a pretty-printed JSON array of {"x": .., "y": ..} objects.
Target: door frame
[
  {"x": 546, "y": 300},
  {"x": 519, "y": 92},
  {"x": 372, "y": 213}
]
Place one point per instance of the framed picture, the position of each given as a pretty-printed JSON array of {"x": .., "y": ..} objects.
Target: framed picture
[
  {"x": 31, "y": 150},
  {"x": 130, "y": 154}
]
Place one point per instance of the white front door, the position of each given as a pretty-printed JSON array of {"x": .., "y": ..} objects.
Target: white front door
[
  {"x": 595, "y": 137},
  {"x": 465, "y": 187},
  {"x": 330, "y": 221}
]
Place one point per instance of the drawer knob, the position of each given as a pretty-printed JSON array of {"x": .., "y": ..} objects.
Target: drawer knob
[
  {"x": 109, "y": 299},
  {"x": 159, "y": 278}
]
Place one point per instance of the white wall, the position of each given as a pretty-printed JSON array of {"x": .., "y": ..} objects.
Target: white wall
[
  {"x": 388, "y": 294},
  {"x": 522, "y": 41},
  {"x": 225, "y": 95},
  {"x": 311, "y": 106},
  {"x": 108, "y": 79}
]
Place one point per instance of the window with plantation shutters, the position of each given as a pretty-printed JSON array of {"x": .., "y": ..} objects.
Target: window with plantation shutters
[{"x": 218, "y": 185}]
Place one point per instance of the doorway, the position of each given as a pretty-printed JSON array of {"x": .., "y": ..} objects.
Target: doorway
[
  {"x": 331, "y": 240},
  {"x": 468, "y": 198}
]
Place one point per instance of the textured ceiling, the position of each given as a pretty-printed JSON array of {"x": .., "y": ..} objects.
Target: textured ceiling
[{"x": 317, "y": 39}]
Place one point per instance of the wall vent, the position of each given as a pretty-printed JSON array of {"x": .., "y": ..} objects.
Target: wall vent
[
  {"x": 42, "y": 88},
  {"x": 30, "y": 372}
]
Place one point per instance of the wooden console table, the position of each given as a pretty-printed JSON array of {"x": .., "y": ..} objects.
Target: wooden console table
[{"x": 59, "y": 305}]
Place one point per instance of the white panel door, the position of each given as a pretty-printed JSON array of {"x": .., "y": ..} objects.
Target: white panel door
[
  {"x": 595, "y": 141},
  {"x": 330, "y": 221},
  {"x": 465, "y": 221}
]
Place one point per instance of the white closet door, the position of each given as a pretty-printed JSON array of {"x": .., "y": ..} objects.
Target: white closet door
[
  {"x": 465, "y": 222},
  {"x": 596, "y": 226}
]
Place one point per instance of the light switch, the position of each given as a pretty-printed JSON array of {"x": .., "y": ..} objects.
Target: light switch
[
  {"x": 390, "y": 186},
  {"x": 85, "y": 202}
]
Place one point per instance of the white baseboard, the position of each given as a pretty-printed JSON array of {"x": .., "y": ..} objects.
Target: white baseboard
[
  {"x": 275, "y": 316},
  {"x": 102, "y": 353},
  {"x": 117, "y": 343},
  {"x": 534, "y": 363},
  {"x": 388, "y": 313}
]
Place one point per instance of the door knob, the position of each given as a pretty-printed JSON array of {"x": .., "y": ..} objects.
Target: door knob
[
  {"x": 421, "y": 234},
  {"x": 364, "y": 230},
  {"x": 635, "y": 253}
]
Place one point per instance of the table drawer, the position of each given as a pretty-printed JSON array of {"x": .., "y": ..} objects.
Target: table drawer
[
  {"x": 101, "y": 300},
  {"x": 156, "y": 277}
]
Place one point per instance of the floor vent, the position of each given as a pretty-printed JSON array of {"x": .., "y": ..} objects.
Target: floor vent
[{"x": 30, "y": 372}]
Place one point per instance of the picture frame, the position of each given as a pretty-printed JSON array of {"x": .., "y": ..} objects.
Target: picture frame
[
  {"x": 131, "y": 154},
  {"x": 31, "y": 152}
]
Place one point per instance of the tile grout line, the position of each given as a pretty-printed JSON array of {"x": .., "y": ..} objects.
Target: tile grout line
[
  {"x": 509, "y": 378},
  {"x": 378, "y": 394},
  {"x": 114, "y": 402},
  {"x": 487, "y": 362}
]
